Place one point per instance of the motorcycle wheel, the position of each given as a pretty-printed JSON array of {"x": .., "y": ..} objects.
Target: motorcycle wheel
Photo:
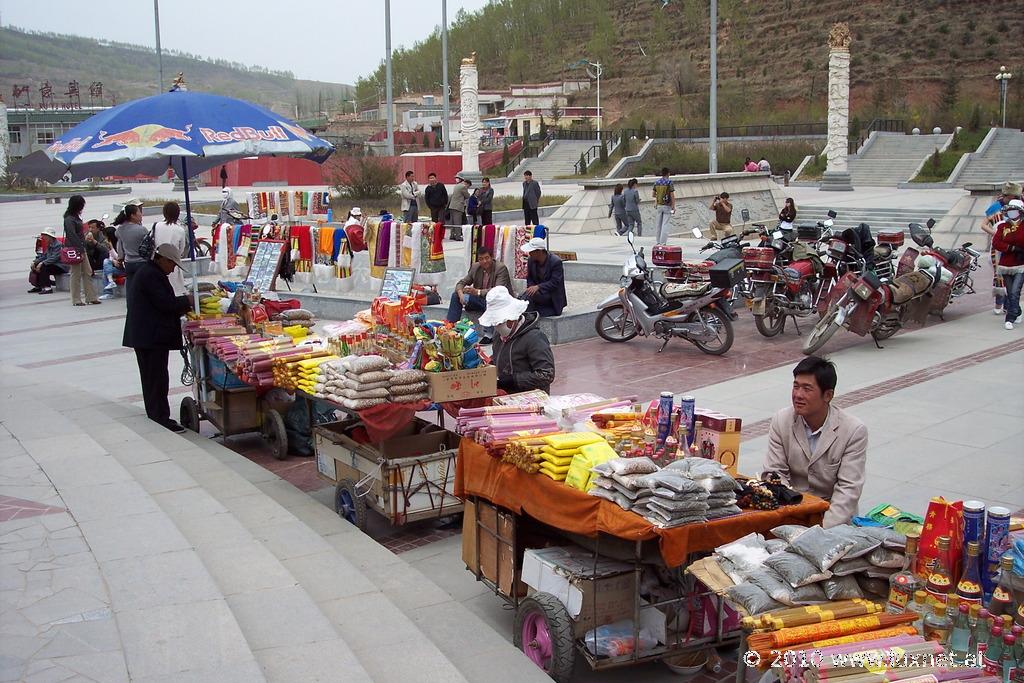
[
  {"x": 614, "y": 325},
  {"x": 822, "y": 332},
  {"x": 715, "y": 319},
  {"x": 772, "y": 322}
]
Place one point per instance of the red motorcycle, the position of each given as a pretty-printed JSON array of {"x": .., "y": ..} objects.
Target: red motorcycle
[
  {"x": 961, "y": 262},
  {"x": 863, "y": 304},
  {"x": 782, "y": 280}
]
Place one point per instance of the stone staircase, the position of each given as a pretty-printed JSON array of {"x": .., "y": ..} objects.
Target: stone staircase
[
  {"x": 880, "y": 219},
  {"x": 218, "y": 570},
  {"x": 1002, "y": 160},
  {"x": 892, "y": 158},
  {"x": 558, "y": 159}
]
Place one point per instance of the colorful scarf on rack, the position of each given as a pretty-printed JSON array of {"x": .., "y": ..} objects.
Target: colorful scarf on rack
[
  {"x": 436, "y": 236},
  {"x": 303, "y": 240},
  {"x": 430, "y": 261},
  {"x": 523, "y": 235},
  {"x": 282, "y": 203},
  {"x": 382, "y": 248}
]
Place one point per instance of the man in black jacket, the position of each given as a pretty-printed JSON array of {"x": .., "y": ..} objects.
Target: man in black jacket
[
  {"x": 521, "y": 352},
  {"x": 153, "y": 327},
  {"x": 436, "y": 196},
  {"x": 545, "y": 279}
]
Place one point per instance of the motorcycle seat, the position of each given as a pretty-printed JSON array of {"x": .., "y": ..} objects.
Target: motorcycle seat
[
  {"x": 883, "y": 251},
  {"x": 910, "y": 286},
  {"x": 954, "y": 257},
  {"x": 688, "y": 290}
]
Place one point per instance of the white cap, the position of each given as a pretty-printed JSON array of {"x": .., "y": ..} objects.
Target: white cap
[
  {"x": 49, "y": 231},
  {"x": 534, "y": 244},
  {"x": 134, "y": 201},
  {"x": 356, "y": 211},
  {"x": 1016, "y": 204},
  {"x": 501, "y": 306}
]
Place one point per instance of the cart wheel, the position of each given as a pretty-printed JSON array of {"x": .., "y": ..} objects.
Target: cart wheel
[
  {"x": 188, "y": 414},
  {"x": 274, "y": 433},
  {"x": 348, "y": 504},
  {"x": 543, "y": 631}
]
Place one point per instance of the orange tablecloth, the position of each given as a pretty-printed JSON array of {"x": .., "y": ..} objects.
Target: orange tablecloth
[{"x": 563, "y": 507}]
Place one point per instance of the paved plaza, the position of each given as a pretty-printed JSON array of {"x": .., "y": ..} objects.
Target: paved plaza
[{"x": 131, "y": 553}]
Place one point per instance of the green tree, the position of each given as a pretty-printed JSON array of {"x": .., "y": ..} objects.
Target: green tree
[
  {"x": 583, "y": 164},
  {"x": 950, "y": 92},
  {"x": 604, "y": 152}
]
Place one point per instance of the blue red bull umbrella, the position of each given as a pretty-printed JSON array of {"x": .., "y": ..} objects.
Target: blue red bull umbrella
[{"x": 189, "y": 132}]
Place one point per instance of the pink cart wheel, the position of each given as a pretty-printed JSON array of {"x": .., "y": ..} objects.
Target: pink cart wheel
[{"x": 543, "y": 631}]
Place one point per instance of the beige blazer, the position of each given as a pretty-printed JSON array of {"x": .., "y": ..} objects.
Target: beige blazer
[{"x": 834, "y": 471}]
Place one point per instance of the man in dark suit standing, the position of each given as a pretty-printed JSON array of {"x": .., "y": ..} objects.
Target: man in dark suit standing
[
  {"x": 531, "y": 199},
  {"x": 153, "y": 328}
]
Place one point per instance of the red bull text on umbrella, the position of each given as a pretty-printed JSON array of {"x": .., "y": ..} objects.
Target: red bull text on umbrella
[{"x": 238, "y": 134}]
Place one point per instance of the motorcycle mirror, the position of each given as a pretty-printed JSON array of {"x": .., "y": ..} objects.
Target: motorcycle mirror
[
  {"x": 930, "y": 223},
  {"x": 696, "y": 232},
  {"x": 104, "y": 217},
  {"x": 832, "y": 214}
]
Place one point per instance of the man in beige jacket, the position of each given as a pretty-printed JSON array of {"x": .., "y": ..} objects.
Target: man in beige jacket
[{"x": 816, "y": 447}]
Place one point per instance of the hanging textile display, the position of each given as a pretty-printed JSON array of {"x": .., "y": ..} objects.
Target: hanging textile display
[
  {"x": 224, "y": 234},
  {"x": 523, "y": 235},
  {"x": 429, "y": 258},
  {"x": 283, "y": 209},
  {"x": 302, "y": 243},
  {"x": 300, "y": 203},
  {"x": 504, "y": 241},
  {"x": 378, "y": 238}
]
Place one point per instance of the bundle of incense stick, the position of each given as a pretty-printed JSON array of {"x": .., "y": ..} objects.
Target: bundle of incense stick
[
  {"x": 870, "y": 661},
  {"x": 814, "y": 657},
  {"x": 886, "y": 636},
  {"x": 815, "y": 614},
  {"x": 861, "y": 637},
  {"x": 826, "y": 629}
]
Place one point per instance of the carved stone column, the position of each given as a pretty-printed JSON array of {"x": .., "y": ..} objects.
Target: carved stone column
[
  {"x": 470, "y": 111},
  {"x": 837, "y": 174}
]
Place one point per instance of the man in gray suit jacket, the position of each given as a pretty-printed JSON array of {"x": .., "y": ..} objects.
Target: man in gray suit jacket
[
  {"x": 816, "y": 447},
  {"x": 531, "y": 199}
]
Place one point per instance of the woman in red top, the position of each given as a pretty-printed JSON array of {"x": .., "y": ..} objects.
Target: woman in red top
[{"x": 1009, "y": 242}]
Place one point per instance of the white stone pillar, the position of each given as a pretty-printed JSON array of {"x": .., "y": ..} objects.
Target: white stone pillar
[
  {"x": 4, "y": 140},
  {"x": 837, "y": 174},
  {"x": 470, "y": 111}
]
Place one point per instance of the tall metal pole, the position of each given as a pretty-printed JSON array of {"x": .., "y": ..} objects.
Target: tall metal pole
[
  {"x": 598, "y": 67},
  {"x": 387, "y": 79},
  {"x": 444, "y": 75},
  {"x": 159, "y": 54},
  {"x": 713, "y": 106}
]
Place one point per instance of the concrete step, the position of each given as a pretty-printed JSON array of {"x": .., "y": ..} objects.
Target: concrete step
[
  {"x": 289, "y": 636},
  {"x": 172, "y": 621}
]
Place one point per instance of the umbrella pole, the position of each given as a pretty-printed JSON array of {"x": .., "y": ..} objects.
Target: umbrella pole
[{"x": 191, "y": 238}]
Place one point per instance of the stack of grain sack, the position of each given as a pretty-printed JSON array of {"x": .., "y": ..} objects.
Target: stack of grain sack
[
  {"x": 715, "y": 480},
  {"x": 408, "y": 386},
  {"x": 357, "y": 382}
]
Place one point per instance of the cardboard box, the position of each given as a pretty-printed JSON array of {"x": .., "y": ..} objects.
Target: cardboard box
[
  {"x": 592, "y": 596},
  {"x": 719, "y": 439},
  {"x": 458, "y": 385},
  {"x": 496, "y": 556}
]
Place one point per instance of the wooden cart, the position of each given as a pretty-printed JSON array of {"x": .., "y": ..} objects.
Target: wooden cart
[
  {"x": 494, "y": 540},
  {"x": 408, "y": 478},
  {"x": 230, "y": 405}
]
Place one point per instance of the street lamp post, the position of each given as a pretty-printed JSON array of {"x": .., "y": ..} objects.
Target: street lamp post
[
  {"x": 596, "y": 73},
  {"x": 387, "y": 80},
  {"x": 446, "y": 112},
  {"x": 713, "y": 102},
  {"x": 1003, "y": 77}
]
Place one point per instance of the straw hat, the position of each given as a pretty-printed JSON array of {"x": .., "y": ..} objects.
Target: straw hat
[{"x": 501, "y": 306}]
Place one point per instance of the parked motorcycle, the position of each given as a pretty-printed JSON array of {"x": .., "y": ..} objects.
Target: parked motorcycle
[
  {"x": 783, "y": 280},
  {"x": 863, "y": 304},
  {"x": 961, "y": 262},
  {"x": 692, "y": 311}
]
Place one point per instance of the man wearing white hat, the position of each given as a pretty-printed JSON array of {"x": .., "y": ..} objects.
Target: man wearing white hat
[
  {"x": 521, "y": 352},
  {"x": 152, "y": 327},
  {"x": 47, "y": 264},
  {"x": 228, "y": 206},
  {"x": 545, "y": 279}
]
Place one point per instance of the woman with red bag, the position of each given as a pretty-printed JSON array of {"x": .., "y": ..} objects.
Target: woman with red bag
[{"x": 82, "y": 291}]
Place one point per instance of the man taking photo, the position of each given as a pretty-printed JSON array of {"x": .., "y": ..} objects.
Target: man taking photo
[{"x": 817, "y": 448}]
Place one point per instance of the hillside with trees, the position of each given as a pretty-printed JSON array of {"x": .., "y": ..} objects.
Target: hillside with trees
[
  {"x": 929, "y": 62},
  {"x": 131, "y": 71}
]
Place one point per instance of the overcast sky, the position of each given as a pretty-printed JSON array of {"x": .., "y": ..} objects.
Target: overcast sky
[{"x": 325, "y": 40}]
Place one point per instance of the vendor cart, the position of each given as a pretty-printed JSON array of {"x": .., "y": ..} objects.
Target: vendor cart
[
  {"x": 229, "y": 404},
  {"x": 510, "y": 514},
  {"x": 408, "y": 477}
]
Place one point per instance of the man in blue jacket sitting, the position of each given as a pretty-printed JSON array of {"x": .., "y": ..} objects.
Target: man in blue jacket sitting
[{"x": 545, "y": 279}]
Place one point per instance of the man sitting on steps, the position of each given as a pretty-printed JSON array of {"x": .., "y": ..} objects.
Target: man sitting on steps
[{"x": 471, "y": 291}]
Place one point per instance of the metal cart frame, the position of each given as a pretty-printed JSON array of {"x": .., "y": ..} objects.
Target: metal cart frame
[
  {"x": 225, "y": 414},
  {"x": 563, "y": 654}
]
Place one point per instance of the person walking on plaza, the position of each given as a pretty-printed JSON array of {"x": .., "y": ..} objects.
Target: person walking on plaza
[
  {"x": 436, "y": 196},
  {"x": 617, "y": 209},
  {"x": 457, "y": 201},
  {"x": 471, "y": 291},
  {"x": 531, "y": 199},
  {"x": 665, "y": 201},
  {"x": 82, "y": 291},
  {"x": 816, "y": 447},
  {"x": 521, "y": 352},
  {"x": 486, "y": 198},
  {"x": 410, "y": 191},
  {"x": 631, "y": 197},
  {"x": 994, "y": 214},
  {"x": 721, "y": 224},
  {"x": 170, "y": 231},
  {"x": 1009, "y": 242},
  {"x": 545, "y": 279},
  {"x": 130, "y": 234},
  {"x": 152, "y": 328},
  {"x": 223, "y": 177},
  {"x": 47, "y": 264}
]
